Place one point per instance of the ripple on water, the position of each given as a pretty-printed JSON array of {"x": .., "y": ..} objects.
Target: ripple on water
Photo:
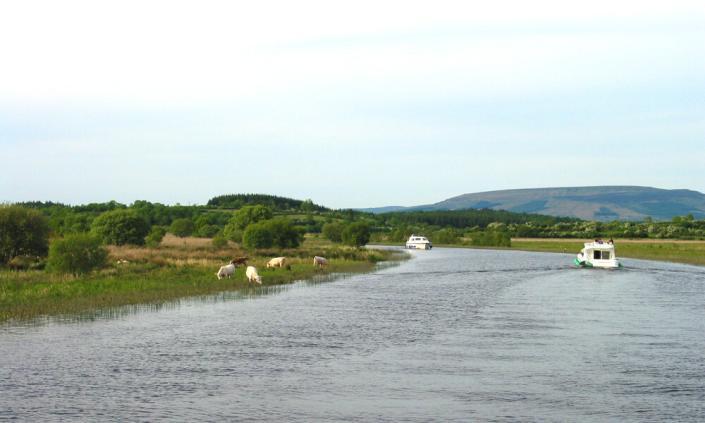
[{"x": 449, "y": 335}]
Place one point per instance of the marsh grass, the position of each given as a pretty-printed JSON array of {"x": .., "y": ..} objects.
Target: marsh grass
[{"x": 168, "y": 272}]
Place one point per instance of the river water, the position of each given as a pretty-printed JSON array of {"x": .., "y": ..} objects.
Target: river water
[{"x": 451, "y": 335}]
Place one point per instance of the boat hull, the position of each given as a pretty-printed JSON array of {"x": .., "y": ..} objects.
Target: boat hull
[{"x": 418, "y": 246}]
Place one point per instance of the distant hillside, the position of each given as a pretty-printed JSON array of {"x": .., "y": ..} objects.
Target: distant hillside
[
  {"x": 235, "y": 201},
  {"x": 603, "y": 203}
]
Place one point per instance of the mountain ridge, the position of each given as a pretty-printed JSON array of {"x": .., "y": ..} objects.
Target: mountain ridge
[{"x": 601, "y": 203}]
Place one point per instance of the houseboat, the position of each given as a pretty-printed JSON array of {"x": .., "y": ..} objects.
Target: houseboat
[
  {"x": 418, "y": 242},
  {"x": 598, "y": 254}
]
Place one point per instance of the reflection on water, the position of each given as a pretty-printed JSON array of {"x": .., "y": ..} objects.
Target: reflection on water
[
  {"x": 246, "y": 293},
  {"x": 450, "y": 335}
]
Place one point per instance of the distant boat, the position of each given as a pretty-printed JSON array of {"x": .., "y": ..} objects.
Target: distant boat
[
  {"x": 598, "y": 254},
  {"x": 418, "y": 242}
]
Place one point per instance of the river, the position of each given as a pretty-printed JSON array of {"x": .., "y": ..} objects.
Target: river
[{"x": 450, "y": 335}]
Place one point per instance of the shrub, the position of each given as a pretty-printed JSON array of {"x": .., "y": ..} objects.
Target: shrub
[
  {"x": 76, "y": 254},
  {"x": 446, "y": 236},
  {"x": 356, "y": 234},
  {"x": 232, "y": 232},
  {"x": 207, "y": 231},
  {"x": 257, "y": 235},
  {"x": 26, "y": 263},
  {"x": 155, "y": 236},
  {"x": 491, "y": 239},
  {"x": 333, "y": 231},
  {"x": 182, "y": 227},
  {"x": 219, "y": 241},
  {"x": 121, "y": 227},
  {"x": 249, "y": 215},
  {"x": 22, "y": 232},
  {"x": 284, "y": 233}
]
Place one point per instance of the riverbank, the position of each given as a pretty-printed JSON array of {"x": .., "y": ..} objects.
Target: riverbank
[{"x": 156, "y": 275}]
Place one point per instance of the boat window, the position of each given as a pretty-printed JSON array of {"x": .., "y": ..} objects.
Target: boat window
[
  {"x": 596, "y": 255},
  {"x": 605, "y": 255}
]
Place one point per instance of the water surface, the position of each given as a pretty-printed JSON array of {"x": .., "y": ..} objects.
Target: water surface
[{"x": 451, "y": 335}]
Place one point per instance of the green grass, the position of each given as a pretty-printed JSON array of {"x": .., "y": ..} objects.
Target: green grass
[{"x": 25, "y": 295}]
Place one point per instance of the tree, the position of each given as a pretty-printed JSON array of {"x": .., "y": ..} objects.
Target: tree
[
  {"x": 182, "y": 227},
  {"x": 257, "y": 235},
  {"x": 356, "y": 234},
  {"x": 333, "y": 231},
  {"x": 155, "y": 236},
  {"x": 207, "y": 231},
  {"x": 284, "y": 233},
  {"x": 121, "y": 226},
  {"x": 249, "y": 215},
  {"x": 491, "y": 239},
  {"x": 76, "y": 254},
  {"x": 22, "y": 232},
  {"x": 219, "y": 241}
]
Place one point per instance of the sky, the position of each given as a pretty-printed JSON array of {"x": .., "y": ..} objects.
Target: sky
[{"x": 350, "y": 104}]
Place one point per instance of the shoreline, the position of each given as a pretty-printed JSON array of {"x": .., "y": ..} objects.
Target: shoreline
[{"x": 35, "y": 294}]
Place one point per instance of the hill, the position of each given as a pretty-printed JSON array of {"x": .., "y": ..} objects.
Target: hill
[{"x": 602, "y": 203}]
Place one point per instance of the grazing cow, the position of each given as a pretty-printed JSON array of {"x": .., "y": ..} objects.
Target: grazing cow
[
  {"x": 239, "y": 260},
  {"x": 276, "y": 262},
  {"x": 319, "y": 262},
  {"x": 252, "y": 275},
  {"x": 226, "y": 271}
]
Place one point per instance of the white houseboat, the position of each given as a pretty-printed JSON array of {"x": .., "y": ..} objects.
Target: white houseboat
[
  {"x": 598, "y": 254},
  {"x": 418, "y": 242}
]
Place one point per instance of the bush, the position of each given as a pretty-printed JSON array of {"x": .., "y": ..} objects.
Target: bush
[
  {"x": 284, "y": 233},
  {"x": 219, "y": 241},
  {"x": 182, "y": 227},
  {"x": 232, "y": 232},
  {"x": 155, "y": 236},
  {"x": 249, "y": 215},
  {"x": 491, "y": 239},
  {"x": 121, "y": 227},
  {"x": 22, "y": 232},
  {"x": 446, "y": 236},
  {"x": 208, "y": 231},
  {"x": 333, "y": 231},
  {"x": 76, "y": 254},
  {"x": 356, "y": 234},
  {"x": 257, "y": 235}
]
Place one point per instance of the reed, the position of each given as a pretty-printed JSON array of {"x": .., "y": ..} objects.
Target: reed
[{"x": 157, "y": 275}]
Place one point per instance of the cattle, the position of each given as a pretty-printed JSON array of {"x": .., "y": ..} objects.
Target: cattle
[
  {"x": 239, "y": 260},
  {"x": 319, "y": 262},
  {"x": 226, "y": 271},
  {"x": 252, "y": 275},
  {"x": 276, "y": 262}
]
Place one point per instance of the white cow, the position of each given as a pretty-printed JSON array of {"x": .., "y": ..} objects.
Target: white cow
[
  {"x": 276, "y": 262},
  {"x": 252, "y": 275},
  {"x": 226, "y": 270},
  {"x": 319, "y": 262}
]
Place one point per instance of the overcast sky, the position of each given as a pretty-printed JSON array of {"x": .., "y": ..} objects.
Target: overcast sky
[{"x": 365, "y": 104}]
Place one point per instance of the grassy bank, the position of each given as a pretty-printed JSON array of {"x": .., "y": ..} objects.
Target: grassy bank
[
  {"x": 689, "y": 252},
  {"x": 154, "y": 275}
]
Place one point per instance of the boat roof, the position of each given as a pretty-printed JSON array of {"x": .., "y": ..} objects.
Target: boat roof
[{"x": 604, "y": 245}]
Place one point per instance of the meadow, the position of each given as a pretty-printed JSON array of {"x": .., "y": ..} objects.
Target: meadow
[{"x": 179, "y": 267}]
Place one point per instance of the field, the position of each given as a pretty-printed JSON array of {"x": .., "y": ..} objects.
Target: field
[
  {"x": 180, "y": 267},
  {"x": 690, "y": 252}
]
